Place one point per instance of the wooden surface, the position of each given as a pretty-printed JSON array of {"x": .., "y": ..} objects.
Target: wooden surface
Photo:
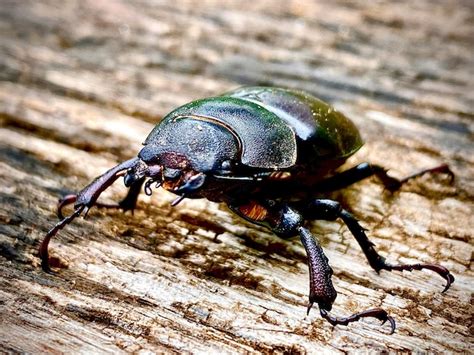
[{"x": 83, "y": 82}]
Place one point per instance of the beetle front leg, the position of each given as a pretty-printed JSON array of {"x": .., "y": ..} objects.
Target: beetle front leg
[
  {"x": 83, "y": 201},
  {"x": 128, "y": 203},
  {"x": 287, "y": 222},
  {"x": 331, "y": 210}
]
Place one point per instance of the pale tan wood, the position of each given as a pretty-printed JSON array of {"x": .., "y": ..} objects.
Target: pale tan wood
[{"x": 83, "y": 82}]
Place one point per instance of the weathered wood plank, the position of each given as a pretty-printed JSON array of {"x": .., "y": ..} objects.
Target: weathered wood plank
[{"x": 82, "y": 83}]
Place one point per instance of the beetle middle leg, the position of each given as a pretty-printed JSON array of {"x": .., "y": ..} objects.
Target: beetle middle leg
[
  {"x": 287, "y": 222},
  {"x": 322, "y": 291},
  {"x": 331, "y": 210},
  {"x": 366, "y": 170}
]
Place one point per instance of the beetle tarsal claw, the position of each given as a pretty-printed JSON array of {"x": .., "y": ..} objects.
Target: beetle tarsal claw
[
  {"x": 449, "y": 280},
  {"x": 378, "y": 313}
]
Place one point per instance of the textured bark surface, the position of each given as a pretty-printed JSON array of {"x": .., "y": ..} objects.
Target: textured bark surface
[{"x": 83, "y": 82}]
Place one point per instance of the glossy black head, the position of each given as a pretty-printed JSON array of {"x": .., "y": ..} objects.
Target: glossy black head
[{"x": 181, "y": 152}]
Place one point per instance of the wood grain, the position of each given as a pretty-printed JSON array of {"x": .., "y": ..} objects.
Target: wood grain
[{"x": 83, "y": 82}]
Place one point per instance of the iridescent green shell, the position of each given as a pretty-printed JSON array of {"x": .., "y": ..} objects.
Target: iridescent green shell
[
  {"x": 275, "y": 128},
  {"x": 328, "y": 133}
]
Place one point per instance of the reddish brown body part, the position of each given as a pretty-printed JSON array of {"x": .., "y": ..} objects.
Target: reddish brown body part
[{"x": 254, "y": 211}]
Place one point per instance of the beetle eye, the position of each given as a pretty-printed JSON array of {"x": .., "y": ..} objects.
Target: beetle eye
[{"x": 171, "y": 174}]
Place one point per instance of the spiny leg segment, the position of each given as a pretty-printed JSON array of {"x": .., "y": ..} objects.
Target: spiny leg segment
[
  {"x": 287, "y": 222},
  {"x": 83, "y": 201}
]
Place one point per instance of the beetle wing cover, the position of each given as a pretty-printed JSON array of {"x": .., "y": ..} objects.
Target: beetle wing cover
[
  {"x": 266, "y": 141},
  {"x": 329, "y": 133}
]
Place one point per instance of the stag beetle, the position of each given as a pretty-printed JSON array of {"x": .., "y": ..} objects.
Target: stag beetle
[{"x": 265, "y": 152}]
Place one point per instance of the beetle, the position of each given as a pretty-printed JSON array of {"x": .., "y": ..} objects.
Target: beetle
[{"x": 269, "y": 154}]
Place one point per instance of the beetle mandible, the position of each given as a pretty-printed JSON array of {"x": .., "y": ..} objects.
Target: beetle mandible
[{"x": 266, "y": 152}]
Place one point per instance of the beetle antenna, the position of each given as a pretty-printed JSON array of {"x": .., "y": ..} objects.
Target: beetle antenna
[
  {"x": 43, "y": 249},
  {"x": 147, "y": 187}
]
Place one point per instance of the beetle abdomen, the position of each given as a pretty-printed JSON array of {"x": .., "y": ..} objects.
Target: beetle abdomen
[
  {"x": 329, "y": 133},
  {"x": 266, "y": 141}
]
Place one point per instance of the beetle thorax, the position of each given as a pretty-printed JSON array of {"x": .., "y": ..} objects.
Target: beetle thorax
[{"x": 187, "y": 142}]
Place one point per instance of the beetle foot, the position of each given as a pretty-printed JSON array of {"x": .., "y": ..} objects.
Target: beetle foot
[
  {"x": 380, "y": 264},
  {"x": 441, "y": 169},
  {"x": 392, "y": 184},
  {"x": 440, "y": 270},
  {"x": 43, "y": 249},
  {"x": 378, "y": 313}
]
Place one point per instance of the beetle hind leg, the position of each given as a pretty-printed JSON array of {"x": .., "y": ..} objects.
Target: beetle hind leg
[{"x": 366, "y": 170}]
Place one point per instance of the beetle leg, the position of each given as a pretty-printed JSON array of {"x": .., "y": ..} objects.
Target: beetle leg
[
  {"x": 287, "y": 222},
  {"x": 83, "y": 201},
  {"x": 322, "y": 290},
  {"x": 365, "y": 170},
  {"x": 378, "y": 313},
  {"x": 331, "y": 210},
  {"x": 43, "y": 249},
  {"x": 63, "y": 202},
  {"x": 127, "y": 204}
]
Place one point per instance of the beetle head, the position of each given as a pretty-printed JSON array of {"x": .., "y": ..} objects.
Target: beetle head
[{"x": 181, "y": 154}]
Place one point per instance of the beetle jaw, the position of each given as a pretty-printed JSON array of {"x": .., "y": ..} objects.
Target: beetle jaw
[{"x": 181, "y": 181}]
